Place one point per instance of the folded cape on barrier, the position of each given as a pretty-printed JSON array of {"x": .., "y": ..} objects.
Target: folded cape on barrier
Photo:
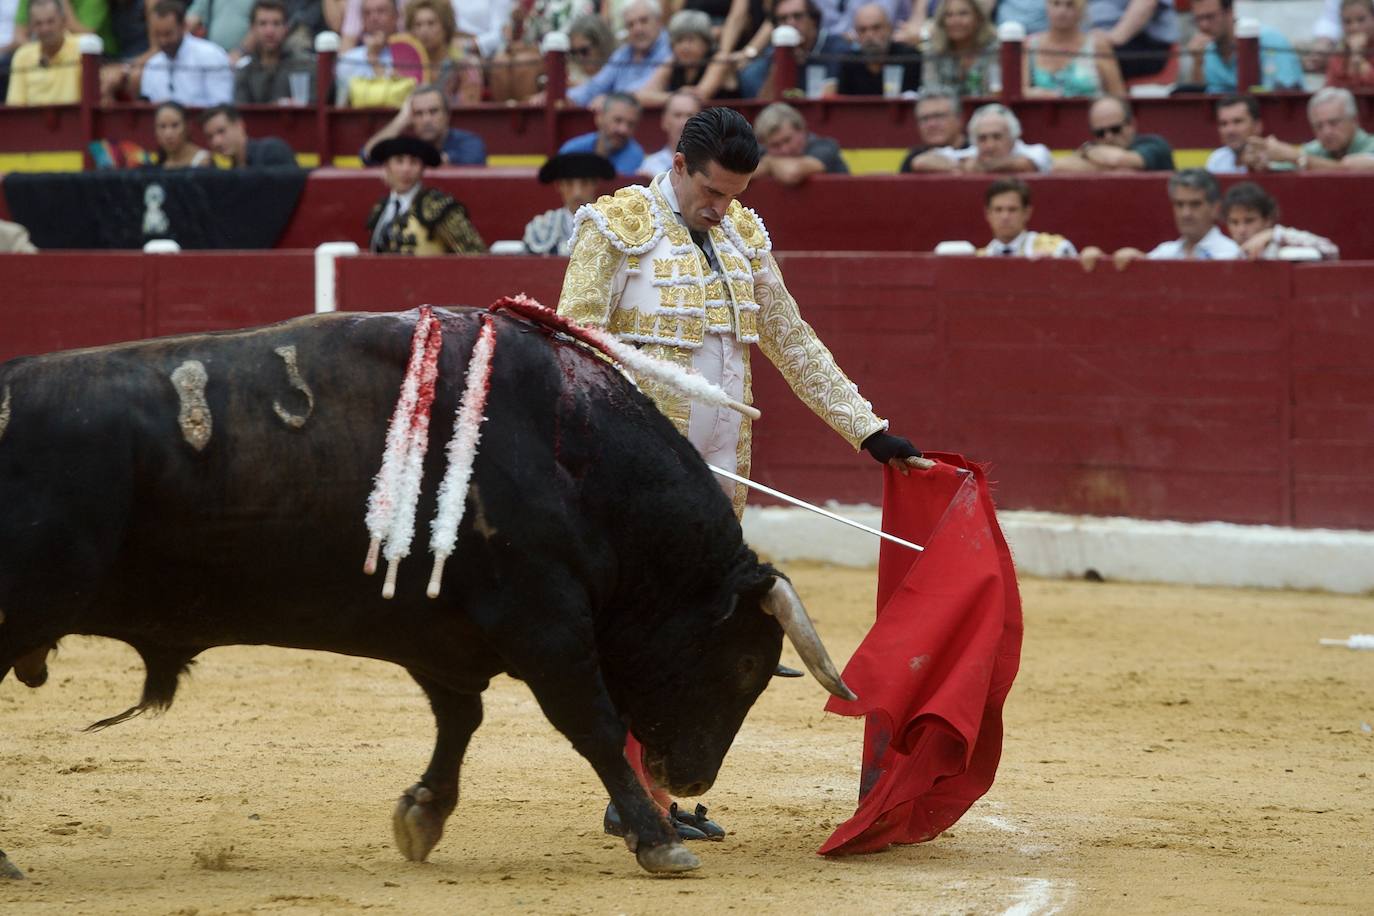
[{"x": 935, "y": 669}]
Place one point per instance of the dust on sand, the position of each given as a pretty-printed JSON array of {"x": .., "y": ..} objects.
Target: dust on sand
[{"x": 1168, "y": 749}]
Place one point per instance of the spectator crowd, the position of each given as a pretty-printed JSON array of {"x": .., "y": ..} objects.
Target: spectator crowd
[{"x": 427, "y": 59}]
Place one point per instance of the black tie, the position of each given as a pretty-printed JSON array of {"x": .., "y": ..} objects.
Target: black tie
[
  {"x": 703, "y": 242},
  {"x": 389, "y": 216}
]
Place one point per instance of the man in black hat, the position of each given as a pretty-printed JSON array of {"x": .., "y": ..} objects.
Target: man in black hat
[
  {"x": 413, "y": 219},
  {"x": 576, "y": 175}
]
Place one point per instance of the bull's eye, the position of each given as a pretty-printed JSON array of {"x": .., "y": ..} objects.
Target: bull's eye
[{"x": 748, "y": 666}]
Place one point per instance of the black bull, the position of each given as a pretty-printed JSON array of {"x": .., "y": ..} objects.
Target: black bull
[{"x": 598, "y": 559}]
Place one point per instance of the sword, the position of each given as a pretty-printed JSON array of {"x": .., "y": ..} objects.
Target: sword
[{"x": 814, "y": 508}]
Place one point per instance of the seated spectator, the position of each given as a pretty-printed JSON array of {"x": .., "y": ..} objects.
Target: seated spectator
[
  {"x": 1214, "y": 51},
  {"x": 576, "y": 176},
  {"x": 997, "y": 147},
  {"x": 692, "y": 65},
  {"x": 939, "y": 122},
  {"x": 228, "y": 137},
  {"x": 1116, "y": 147},
  {"x": 1339, "y": 144},
  {"x": 185, "y": 69},
  {"x": 1238, "y": 120},
  {"x": 1196, "y": 199},
  {"x": 426, "y": 115},
  {"x": 1007, "y": 206},
  {"x": 174, "y": 147},
  {"x": 819, "y": 54},
  {"x": 878, "y": 51},
  {"x": 632, "y": 64},
  {"x": 963, "y": 50},
  {"x": 590, "y": 46},
  {"x": 1063, "y": 61},
  {"x": 265, "y": 75},
  {"x": 414, "y": 219},
  {"x": 746, "y": 42},
  {"x": 1251, "y": 216},
  {"x": 614, "y": 137},
  {"x": 516, "y": 68},
  {"x": 367, "y": 75},
  {"x": 791, "y": 152},
  {"x": 224, "y": 22},
  {"x": 681, "y": 105},
  {"x": 434, "y": 32},
  {"x": 83, "y": 17},
  {"x": 1143, "y": 33},
  {"x": 1351, "y": 65},
  {"x": 14, "y": 239},
  {"x": 47, "y": 70}
]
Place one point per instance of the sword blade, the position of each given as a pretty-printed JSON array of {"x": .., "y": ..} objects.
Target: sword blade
[{"x": 814, "y": 508}]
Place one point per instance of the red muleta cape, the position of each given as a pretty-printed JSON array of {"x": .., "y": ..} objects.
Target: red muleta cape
[{"x": 935, "y": 669}]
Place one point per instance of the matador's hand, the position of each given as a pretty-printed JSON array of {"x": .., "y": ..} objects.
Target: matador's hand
[{"x": 895, "y": 451}]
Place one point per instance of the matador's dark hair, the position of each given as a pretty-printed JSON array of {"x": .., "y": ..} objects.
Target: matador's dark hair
[{"x": 720, "y": 135}]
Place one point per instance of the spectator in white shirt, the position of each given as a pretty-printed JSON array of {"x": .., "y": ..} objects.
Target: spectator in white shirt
[
  {"x": 1196, "y": 199},
  {"x": 186, "y": 69},
  {"x": 1238, "y": 119},
  {"x": 996, "y": 147},
  {"x": 680, "y": 107}
]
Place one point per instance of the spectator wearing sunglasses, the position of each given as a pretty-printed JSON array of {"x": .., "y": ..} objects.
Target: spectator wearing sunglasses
[
  {"x": 630, "y": 65},
  {"x": 1116, "y": 147}
]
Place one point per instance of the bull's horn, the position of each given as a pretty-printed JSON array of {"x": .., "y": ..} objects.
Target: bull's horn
[{"x": 783, "y": 603}]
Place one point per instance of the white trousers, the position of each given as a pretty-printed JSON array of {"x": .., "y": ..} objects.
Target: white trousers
[{"x": 715, "y": 431}]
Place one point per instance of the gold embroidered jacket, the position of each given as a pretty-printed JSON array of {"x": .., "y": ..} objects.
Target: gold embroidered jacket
[
  {"x": 434, "y": 224},
  {"x": 635, "y": 270}
]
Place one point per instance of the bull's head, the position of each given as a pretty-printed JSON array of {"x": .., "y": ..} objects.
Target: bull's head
[{"x": 708, "y": 688}]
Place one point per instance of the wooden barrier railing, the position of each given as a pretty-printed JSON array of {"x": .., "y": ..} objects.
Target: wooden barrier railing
[{"x": 1239, "y": 392}]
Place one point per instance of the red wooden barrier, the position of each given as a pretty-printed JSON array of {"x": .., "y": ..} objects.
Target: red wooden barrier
[
  {"x": 869, "y": 213},
  {"x": 1240, "y": 392}
]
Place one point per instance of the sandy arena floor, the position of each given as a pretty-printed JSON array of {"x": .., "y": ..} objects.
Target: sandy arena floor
[{"x": 1168, "y": 750}]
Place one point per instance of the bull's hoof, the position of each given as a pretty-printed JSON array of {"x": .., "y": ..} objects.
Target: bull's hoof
[
  {"x": 671, "y": 859},
  {"x": 8, "y": 869},
  {"x": 417, "y": 823}
]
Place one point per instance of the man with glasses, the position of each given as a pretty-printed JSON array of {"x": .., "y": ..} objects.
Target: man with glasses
[
  {"x": 938, "y": 119},
  {"x": 630, "y": 65},
  {"x": 818, "y": 48},
  {"x": 185, "y": 69},
  {"x": 1116, "y": 147},
  {"x": 1339, "y": 141},
  {"x": 997, "y": 147}
]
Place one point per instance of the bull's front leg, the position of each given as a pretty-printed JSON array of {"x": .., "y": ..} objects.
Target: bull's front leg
[
  {"x": 421, "y": 811},
  {"x": 581, "y": 709}
]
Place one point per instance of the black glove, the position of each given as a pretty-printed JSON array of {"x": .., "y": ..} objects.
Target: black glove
[{"x": 884, "y": 447}]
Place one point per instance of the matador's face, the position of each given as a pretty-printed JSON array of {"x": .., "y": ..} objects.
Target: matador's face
[{"x": 705, "y": 196}]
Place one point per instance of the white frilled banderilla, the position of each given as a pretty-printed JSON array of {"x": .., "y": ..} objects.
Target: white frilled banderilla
[{"x": 391, "y": 508}]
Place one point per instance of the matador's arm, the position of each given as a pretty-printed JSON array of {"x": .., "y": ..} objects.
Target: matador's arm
[
  {"x": 806, "y": 364},
  {"x": 589, "y": 284}
]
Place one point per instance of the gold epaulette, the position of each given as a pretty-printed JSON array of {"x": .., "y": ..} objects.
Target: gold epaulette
[
  {"x": 1047, "y": 243},
  {"x": 629, "y": 218},
  {"x": 747, "y": 231}
]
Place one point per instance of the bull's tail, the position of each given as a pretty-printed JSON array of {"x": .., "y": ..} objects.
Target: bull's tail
[{"x": 163, "y": 669}]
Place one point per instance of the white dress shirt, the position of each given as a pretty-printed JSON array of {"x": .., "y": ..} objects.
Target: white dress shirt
[
  {"x": 1223, "y": 162},
  {"x": 1214, "y": 246},
  {"x": 1037, "y": 153},
  {"x": 198, "y": 77}
]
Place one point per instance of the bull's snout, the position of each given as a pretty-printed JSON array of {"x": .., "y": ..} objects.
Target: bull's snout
[
  {"x": 661, "y": 773},
  {"x": 32, "y": 669}
]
